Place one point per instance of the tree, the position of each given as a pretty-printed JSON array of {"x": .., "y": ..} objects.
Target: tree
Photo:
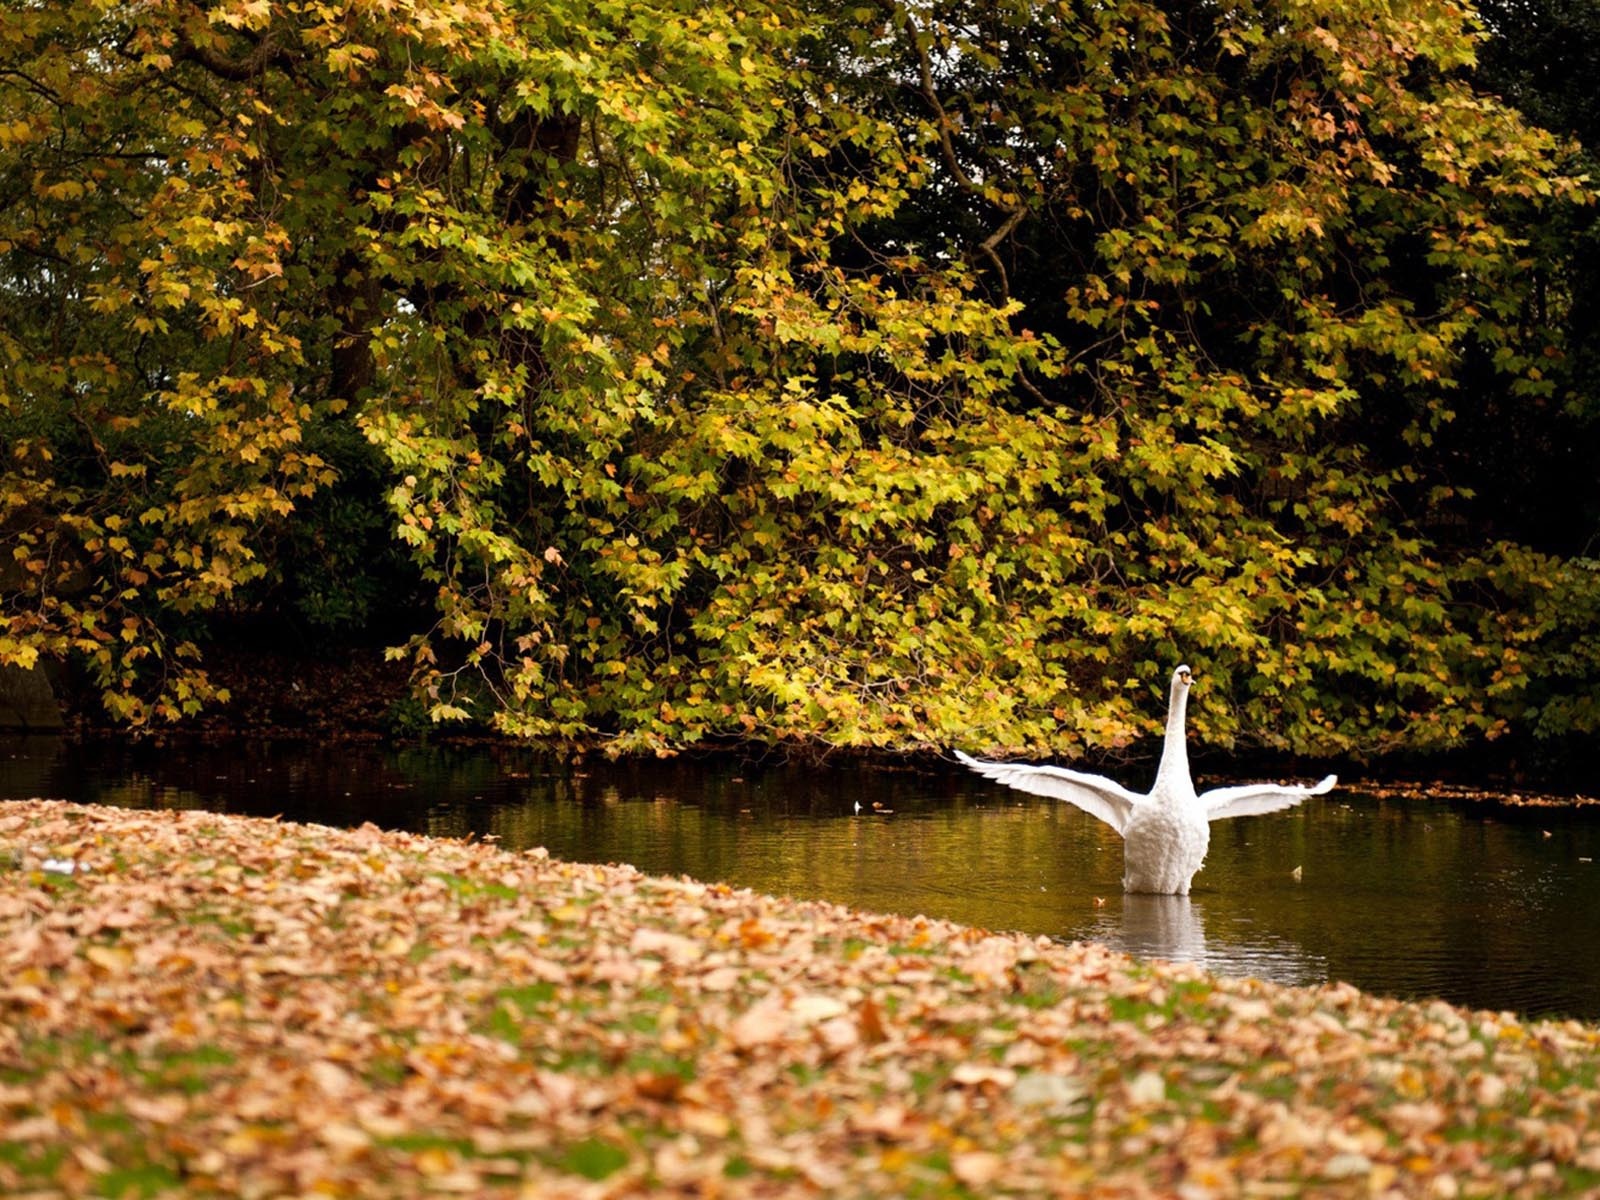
[
  {"x": 1539, "y": 56},
  {"x": 1279, "y": 251},
  {"x": 1545, "y": 576},
  {"x": 880, "y": 375}
]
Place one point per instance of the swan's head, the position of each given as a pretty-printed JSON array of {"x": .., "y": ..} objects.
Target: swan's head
[{"x": 1182, "y": 678}]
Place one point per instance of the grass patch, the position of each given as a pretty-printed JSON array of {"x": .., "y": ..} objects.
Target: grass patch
[
  {"x": 1181, "y": 998},
  {"x": 575, "y": 1061},
  {"x": 463, "y": 888},
  {"x": 512, "y": 1006},
  {"x": 230, "y": 924},
  {"x": 417, "y": 1143},
  {"x": 592, "y": 1158},
  {"x": 30, "y": 1161},
  {"x": 924, "y": 1082},
  {"x": 188, "y": 1071},
  {"x": 1036, "y": 991},
  {"x": 386, "y": 1071},
  {"x": 146, "y": 1179},
  {"x": 654, "y": 1062}
]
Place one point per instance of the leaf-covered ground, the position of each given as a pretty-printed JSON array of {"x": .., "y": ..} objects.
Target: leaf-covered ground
[{"x": 198, "y": 1005}]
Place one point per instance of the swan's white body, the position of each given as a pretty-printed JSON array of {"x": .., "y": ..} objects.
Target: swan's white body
[{"x": 1167, "y": 831}]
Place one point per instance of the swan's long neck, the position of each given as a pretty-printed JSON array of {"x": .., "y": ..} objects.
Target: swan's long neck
[{"x": 1174, "y": 768}]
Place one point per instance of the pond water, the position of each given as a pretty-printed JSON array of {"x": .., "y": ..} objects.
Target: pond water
[{"x": 1404, "y": 898}]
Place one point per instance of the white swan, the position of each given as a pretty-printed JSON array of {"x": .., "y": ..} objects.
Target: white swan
[{"x": 1165, "y": 833}]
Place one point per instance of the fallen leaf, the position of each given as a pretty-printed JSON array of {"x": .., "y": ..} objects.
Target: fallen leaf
[
  {"x": 970, "y": 1074},
  {"x": 1049, "y": 1090},
  {"x": 761, "y": 1025},
  {"x": 869, "y": 1021},
  {"x": 720, "y": 979},
  {"x": 976, "y": 1168},
  {"x": 658, "y": 1085},
  {"x": 673, "y": 947},
  {"x": 808, "y": 1010},
  {"x": 1146, "y": 1089},
  {"x": 159, "y": 1110},
  {"x": 112, "y": 959}
]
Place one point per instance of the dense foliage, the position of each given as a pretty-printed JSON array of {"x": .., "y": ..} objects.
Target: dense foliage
[{"x": 879, "y": 375}]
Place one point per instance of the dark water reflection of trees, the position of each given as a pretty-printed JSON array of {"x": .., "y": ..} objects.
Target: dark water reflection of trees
[{"x": 1401, "y": 897}]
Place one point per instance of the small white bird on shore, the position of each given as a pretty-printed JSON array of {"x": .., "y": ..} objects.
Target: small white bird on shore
[{"x": 1166, "y": 831}]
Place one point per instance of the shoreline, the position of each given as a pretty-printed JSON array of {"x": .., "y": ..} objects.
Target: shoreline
[
  {"x": 239, "y": 1006},
  {"x": 1504, "y": 796},
  {"x": 355, "y": 695}
]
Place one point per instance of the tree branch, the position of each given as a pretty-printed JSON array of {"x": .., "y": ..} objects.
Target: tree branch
[
  {"x": 1014, "y": 214},
  {"x": 267, "y": 52}
]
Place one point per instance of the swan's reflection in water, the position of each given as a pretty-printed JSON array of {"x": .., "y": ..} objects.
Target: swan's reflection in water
[{"x": 1174, "y": 928}]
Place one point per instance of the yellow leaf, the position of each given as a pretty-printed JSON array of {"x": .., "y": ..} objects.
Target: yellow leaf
[{"x": 114, "y": 960}]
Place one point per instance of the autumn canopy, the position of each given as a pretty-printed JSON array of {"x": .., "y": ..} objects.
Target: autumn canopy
[{"x": 873, "y": 374}]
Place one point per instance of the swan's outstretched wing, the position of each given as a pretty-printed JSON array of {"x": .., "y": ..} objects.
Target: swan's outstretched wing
[
  {"x": 1095, "y": 794},
  {"x": 1253, "y": 798}
]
